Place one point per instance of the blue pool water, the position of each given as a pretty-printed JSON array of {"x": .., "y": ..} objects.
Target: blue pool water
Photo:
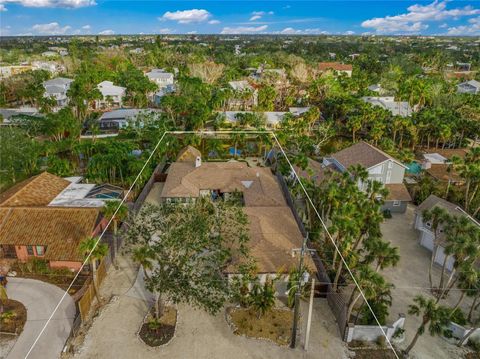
[{"x": 414, "y": 168}]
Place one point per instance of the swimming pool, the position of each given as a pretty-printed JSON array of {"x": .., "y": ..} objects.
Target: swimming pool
[{"x": 414, "y": 168}]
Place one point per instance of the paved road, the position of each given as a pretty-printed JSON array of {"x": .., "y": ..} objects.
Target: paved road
[{"x": 40, "y": 299}]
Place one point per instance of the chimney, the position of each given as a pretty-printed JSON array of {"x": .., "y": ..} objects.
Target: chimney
[{"x": 198, "y": 162}]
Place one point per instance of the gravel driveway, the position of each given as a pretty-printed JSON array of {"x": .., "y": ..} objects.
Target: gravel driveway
[{"x": 40, "y": 299}]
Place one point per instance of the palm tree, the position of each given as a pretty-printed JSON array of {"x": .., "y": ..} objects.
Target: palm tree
[
  {"x": 435, "y": 315},
  {"x": 371, "y": 283},
  {"x": 437, "y": 216},
  {"x": 97, "y": 251},
  {"x": 144, "y": 256},
  {"x": 116, "y": 211},
  {"x": 468, "y": 280},
  {"x": 383, "y": 253}
]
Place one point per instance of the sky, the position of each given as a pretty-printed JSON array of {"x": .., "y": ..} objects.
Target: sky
[{"x": 355, "y": 17}]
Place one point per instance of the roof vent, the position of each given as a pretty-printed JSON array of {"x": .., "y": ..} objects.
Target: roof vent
[
  {"x": 198, "y": 162},
  {"x": 247, "y": 184}
]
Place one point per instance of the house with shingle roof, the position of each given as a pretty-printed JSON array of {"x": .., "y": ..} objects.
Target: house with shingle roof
[
  {"x": 112, "y": 95},
  {"x": 471, "y": 87},
  {"x": 381, "y": 167},
  {"x": 273, "y": 230},
  {"x": 426, "y": 235},
  {"x": 336, "y": 67},
  {"x": 47, "y": 217},
  {"x": 244, "y": 95},
  {"x": 57, "y": 89}
]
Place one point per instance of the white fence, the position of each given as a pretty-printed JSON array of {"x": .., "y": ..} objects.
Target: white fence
[
  {"x": 373, "y": 332},
  {"x": 459, "y": 332}
]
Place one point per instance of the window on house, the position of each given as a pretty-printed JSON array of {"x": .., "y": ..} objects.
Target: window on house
[
  {"x": 40, "y": 250},
  {"x": 396, "y": 203},
  {"x": 30, "y": 251}
]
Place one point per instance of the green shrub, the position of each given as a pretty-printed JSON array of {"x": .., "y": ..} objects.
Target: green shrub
[{"x": 387, "y": 214}]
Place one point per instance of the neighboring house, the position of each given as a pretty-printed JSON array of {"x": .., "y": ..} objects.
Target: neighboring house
[
  {"x": 8, "y": 114},
  {"x": 440, "y": 167},
  {"x": 245, "y": 95},
  {"x": 426, "y": 237},
  {"x": 272, "y": 118},
  {"x": 47, "y": 217},
  {"x": 277, "y": 77},
  {"x": 160, "y": 77},
  {"x": 380, "y": 166},
  {"x": 112, "y": 96},
  {"x": 121, "y": 118},
  {"x": 471, "y": 87},
  {"x": 157, "y": 96},
  {"x": 52, "y": 67},
  {"x": 397, "y": 108},
  {"x": 336, "y": 67},
  {"x": 273, "y": 230},
  {"x": 57, "y": 88}
]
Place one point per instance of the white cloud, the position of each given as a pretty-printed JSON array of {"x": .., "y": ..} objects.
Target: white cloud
[
  {"x": 187, "y": 16},
  {"x": 244, "y": 29},
  {"x": 165, "y": 30},
  {"x": 52, "y": 28},
  {"x": 350, "y": 32},
  {"x": 292, "y": 31},
  {"x": 286, "y": 7},
  {"x": 192, "y": 32},
  {"x": 256, "y": 15},
  {"x": 472, "y": 29},
  {"x": 51, "y": 3},
  {"x": 107, "y": 32},
  {"x": 414, "y": 20},
  {"x": 86, "y": 27},
  {"x": 214, "y": 22},
  {"x": 3, "y": 8},
  {"x": 443, "y": 26}
]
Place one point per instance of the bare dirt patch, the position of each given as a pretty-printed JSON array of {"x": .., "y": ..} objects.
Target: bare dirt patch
[
  {"x": 159, "y": 333},
  {"x": 13, "y": 317},
  {"x": 275, "y": 325}
]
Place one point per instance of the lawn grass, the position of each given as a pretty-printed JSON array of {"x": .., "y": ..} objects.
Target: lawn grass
[{"x": 275, "y": 325}]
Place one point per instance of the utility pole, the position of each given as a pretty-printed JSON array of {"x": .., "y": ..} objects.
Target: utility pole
[
  {"x": 310, "y": 309},
  {"x": 298, "y": 286}
]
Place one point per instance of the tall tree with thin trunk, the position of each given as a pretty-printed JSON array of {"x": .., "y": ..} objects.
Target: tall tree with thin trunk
[
  {"x": 432, "y": 314},
  {"x": 97, "y": 252}
]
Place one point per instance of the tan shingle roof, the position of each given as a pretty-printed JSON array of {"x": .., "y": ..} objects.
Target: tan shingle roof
[
  {"x": 184, "y": 180},
  {"x": 398, "y": 192},
  {"x": 315, "y": 171},
  {"x": 59, "y": 229},
  {"x": 273, "y": 235},
  {"x": 39, "y": 190},
  {"x": 189, "y": 153},
  {"x": 272, "y": 227},
  {"x": 363, "y": 154},
  {"x": 323, "y": 66}
]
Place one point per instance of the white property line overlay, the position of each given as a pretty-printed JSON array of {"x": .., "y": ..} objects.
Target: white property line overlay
[
  {"x": 95, "y": 246},
  {"x": 336, "y": 247},
  {"x": 209, "y": 132}
]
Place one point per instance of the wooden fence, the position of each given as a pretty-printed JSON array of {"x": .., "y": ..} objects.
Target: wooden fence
[{"x": 85, "y": 303}]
